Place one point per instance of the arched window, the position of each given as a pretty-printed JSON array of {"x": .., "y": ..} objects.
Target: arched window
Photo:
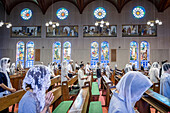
[
  {"x": 105, "y": 53},
  {"x": 20, "y": 52},
  {"x": 94, "y": 54},
  {"x": 57, "y": 52},
  {"x": 67, "y": 51},
  {"x": 134, "y": 53},
  {"x": 144, "y": 53},
  {"x": 29, "y": 54}
]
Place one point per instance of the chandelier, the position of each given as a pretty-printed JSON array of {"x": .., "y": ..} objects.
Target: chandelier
[
  {"x": 153, "y": 22},
  {"x": 8, "y": 25},
  {"x": 53, "y": 24},
  {"x": 101, "y": 23}
]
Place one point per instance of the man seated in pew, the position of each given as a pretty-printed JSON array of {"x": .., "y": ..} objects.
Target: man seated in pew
[
  {"x": 165, "y": 81},
  {"x": 154, "y": 73},
  {"x": 128, "y": 91},
  {"x": 87, "y": 69},
  {"x": 35, "y": 100},
  {"x": 70, "y": 69},
  {"x": 64, "y": 74},
  {"x": 20, "y": 66},
  {"x": 12, "y": 69},
  {"x": 81, "y": 77},
  {"x": 99, "y": 75},
  {"x": 5, "y": 83},
  {"x": 108, "y": 71}
]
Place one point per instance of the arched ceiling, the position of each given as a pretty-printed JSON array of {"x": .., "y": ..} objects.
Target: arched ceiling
[{"x": 8, "y": 5}]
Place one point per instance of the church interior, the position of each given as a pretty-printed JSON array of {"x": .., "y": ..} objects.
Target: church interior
[{"x": 84, "y": 56}]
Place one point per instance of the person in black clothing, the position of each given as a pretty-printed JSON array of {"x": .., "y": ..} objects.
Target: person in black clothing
[
  {"x": 133, "y": 67},
  {"x": 98, "y": 73}
]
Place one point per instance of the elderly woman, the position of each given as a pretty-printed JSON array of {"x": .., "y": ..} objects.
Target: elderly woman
[
  {"x": 5, "y": 84},
  {"x": 165, "y": 81},
  {"x": 35, "y": 100},
  {"x": 154, "y": 73},
  {"x": 128, "y": 91}
]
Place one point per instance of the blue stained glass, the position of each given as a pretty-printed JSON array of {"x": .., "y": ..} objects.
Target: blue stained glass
[
  {"x": 57, "y": 52},
  {"x": 67, "y": 51},
  {"x": 134, "y": 53},
  {"x": 144, "y": 53},
  {"x": 138, "y": 12},
  {"x": 94, "y": 53},
  {"x": 100, "y": 13},
  {"x": 20, "y": 52},
  {"x": 26, "y": 14},
  {"x": 62, "y": 13},
  {"x": 30, "y": 54},
  {"x": 105, "y": 53}
]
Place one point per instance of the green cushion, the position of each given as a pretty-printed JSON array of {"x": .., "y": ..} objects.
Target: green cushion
[
  {"x": 94, "y": 77},
  {"x": 74, "y": 92},
  {"x": 95, "y": 107},
  {"x": 63, "y": 107},
  {"x": 95, "y": 88}
]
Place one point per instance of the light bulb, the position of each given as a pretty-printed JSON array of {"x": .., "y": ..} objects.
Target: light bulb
[
  {"x": 152, "y": 24},
  {"x": 160, "y": 23},
  {"x": 96, "y": 24},
  {"x": 148, "y": 23},
  {"x": 1, "y": 23},
  {"x": 53, "y": 26},
  {"x": 50, "y": 22},
  {"x": 107, "y": 23},
  {"x": 10, "y": 24},
  {"x": 156, "y": 21},
  {"x": 57, "y": 24},
  {"x": 102, "y": 22},
  {"x": 101, "y": 25},
  {"x": 47, "y": 24},
  {"x": 7, "y": 26}
]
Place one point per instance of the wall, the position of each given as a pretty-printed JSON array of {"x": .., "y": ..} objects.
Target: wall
[{"x": 159, "y": 46}]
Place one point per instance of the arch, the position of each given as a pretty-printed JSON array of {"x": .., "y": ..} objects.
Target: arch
[
  {"x": 20, "y": 48},
  {"x": 30, "y": 54},
  {"x": 94, "y": 53},
  {"x": 104, "y": 53},
  {"x": 134, "y": 53},
  {"x": 57, "y": 52},
  {"x": 67, "y": 51},
  {"x": 144, "y": 53}
]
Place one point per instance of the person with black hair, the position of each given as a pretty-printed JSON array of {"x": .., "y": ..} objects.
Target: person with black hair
[
  {"x": 98, "y": 73},
  {"x": 160, "y": 71},
  {"x": 81, "y": 77}
]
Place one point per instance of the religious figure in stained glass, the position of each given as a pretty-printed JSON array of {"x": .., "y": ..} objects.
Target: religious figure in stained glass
[
  {"x": 26, "y": 14},
  {"x": 57, "y": 52},
  {"x": 30, "y": 54},
  {"x": 144, "y": 53},
  {"x": 67, "y": 51},
  {"x": 134, "y": 53},
  {"x": 105, "y": 53},
  {"x": 94, "y": 54},
  {"x": 20, "y": 52}
]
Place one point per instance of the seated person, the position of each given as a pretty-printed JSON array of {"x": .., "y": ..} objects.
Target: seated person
[
  {"x": 19, "y": 66},
  {"x": 5, "y": 83},
  {"x": 81, "y": 77},
  {"x": 12, "y": 69},
  {"x": 35, "y": 100},
  {"x": 87, "y": 68},
  {"x": 64, "y": 75},
  {"x": 165, "y": 81},
  {"x": 70, "y": 69},
  {"x": 128, "y": 91},
  {"x": 154, "y": 73}
]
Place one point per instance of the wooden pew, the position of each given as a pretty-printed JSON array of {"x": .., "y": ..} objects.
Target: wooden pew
[
  {"x": 106, "y": 84},
  {"x": 159, "y": 102}
]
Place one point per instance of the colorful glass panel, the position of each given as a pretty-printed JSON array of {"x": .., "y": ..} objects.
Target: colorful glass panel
[
  {"x": 20, "y": 52},
  {"x": 62, "y": 13},
  {"x": 30, "y": 54},
  {"x": 26, "y": 14},
  {"x": 138, "y": 12},
  {"x": 67, "y": 51},
  {"x": 134, "y": 53},
  {"x": 104, "y": 53},
  {"x": 100, "y": 13},
  {"x": 94, "y": 54},
  {"x": 144, "y": 53},
  {"x": 57, "y": 52}
]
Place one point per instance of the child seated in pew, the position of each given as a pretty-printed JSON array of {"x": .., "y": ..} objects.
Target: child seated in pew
[
  {"x": 5, "y": 83},
  {"x": 35, "y": 100},
  {"x": 128, "y": 91},
  {"x": 64, "y": 75},
  {"x": 81, "y": 77},
  {"x": 165, "y": 81}
]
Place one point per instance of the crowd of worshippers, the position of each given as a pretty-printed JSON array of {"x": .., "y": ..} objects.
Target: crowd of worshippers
[{"x": 128, "y": 91}]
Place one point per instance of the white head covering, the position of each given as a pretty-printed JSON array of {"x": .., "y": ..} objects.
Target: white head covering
[
  {"x": 165, "y": 67},
  {"x": 39, "y": 78},
  {"x": 131, "y": 88},
  {"x": 155, "y": 65}
]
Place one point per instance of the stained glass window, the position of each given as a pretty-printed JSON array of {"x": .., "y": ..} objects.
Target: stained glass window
[
  {"x": 30, "y": 54},
  {"x": 26, "y": 14},
  {"x": 20, "y": 53},
  {"x": 144, "y": 53},
  {"x": 100, "y": 13},
  {"x": 104, "y": 53},
  {"x": 62, "y": 13},
  {"x": 67, "y": 51},
  {"x": 138, "y": 12},
  {"x": 134, "y": 53},
  {"x": 94, "y": 53},
  {"x": 57, "y": 52}
]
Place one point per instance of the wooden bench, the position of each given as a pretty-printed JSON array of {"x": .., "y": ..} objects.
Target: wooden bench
[
  {"x": 159, "y": 102},
  {"x": 106, "y": 84}
]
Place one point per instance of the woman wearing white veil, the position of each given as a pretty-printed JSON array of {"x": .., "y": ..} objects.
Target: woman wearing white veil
[
  {"x": 128, "y": 91},
  {"x": 12, "y": 69},
  {"x": 64, "y": 74},
  {"x": 35, "y": 100},
  {"x": 165, "y": 81},
  {"x": 154, "y": 73}
]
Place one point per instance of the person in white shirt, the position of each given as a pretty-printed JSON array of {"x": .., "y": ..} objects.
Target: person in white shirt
[
  {"x": 102, "y": 67},
  {"x": 108, "y": 72},
  {"x": 87, "y": 68},
  {"x": 64, "y": 75},
  {"x": 81, "y": 77},
  {"x": 154, "y": 73},
  {"x": 70, "y": 69},
  {"x": 77, "y": 66}
]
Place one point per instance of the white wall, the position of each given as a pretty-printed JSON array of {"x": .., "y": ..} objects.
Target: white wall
[{"x": 159, "y": 46}]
